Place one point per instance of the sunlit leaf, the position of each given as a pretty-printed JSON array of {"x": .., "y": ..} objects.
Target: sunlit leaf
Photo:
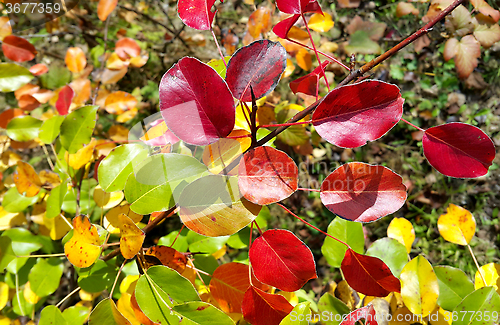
[
  {"x": 361, "y": 43},
  {"x": 196, "y": 103},
  {"x": 351, "y": 115},
  {"x": 15, "y": 202},
  {"x": 304, "y": 59},
  {"x": 127, "y": 48},
  {"x": 402, "y": 230},
  {"x": 454, "y": 286},
  {"x": 457, "y": 225},
  {"x": 75, "y": 59},
  {"x": 419, "y": 286},
  {"x": 260, "y": 21},
  {"x": 198, "y": 312},
  {"x": 106, "y": 313},
  {"x": 26, "y": 179},
  {"x": 309, "y": 83},
  {"x": 52, "y": 315},
  {"x": 368, "y": 275},
  {"x": 83, "y": 156},
  {"x": 107, "y": 200},
  {"x": 350, "y": 233},
  {"x": 375, "y": 31},
  {"x": 39, "y": 69},
  {"x": 113, "y": 76},
  {"x": 487, "y": 35},
  {"x": 259, "y": 307},
  {"x": 405, "y": 8},
  {"x": 8, "y": 115},
  {"x": 466, "y": 52},
  {"x": 44, "y": 277},
  {"x": 119, "y": 102},
  {"x": 18, "y": 49},
  {"x": 484, "y": 8},
  {"x": 105, "y": 8},
  {"x": 168, "y": 257},
  {"x": 363, "y": 193},
  {"x": 132, "y": 237},
  {"x": 219, "y": 155},
  {"x": 213, "y": 206},
  {"x": 474, "y": 308},
  {"x": 367, "y": 313},
  {"x": 196, "y": 14},
  {"x": 334, "y": 307},
  {"x": 282, "y": 260},
  {"x": 297, "y": 6},
  {"x": 113, "y": 214},
  {"x": 13, "y": 77},
  {"x": 5, "y": 28},
  {"x": 458, "y": 150},
  {"x": 391, "y": 252},
  {"x": 321, "y": 22},
  {"x": 23, "y": 128},
  {"x": 267, "y": 175},
  {"x": 84, "y": 247},
  {"x": 282, "y": 28},
  {"x": 491, "y": 274},
  {"x": 77, "y": 128}
]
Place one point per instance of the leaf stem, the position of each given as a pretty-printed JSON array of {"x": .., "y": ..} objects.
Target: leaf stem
[
  {"x": 411, "y": 124},
  {"x": 307, "y": 223},
  {"x": 315, "y": 51},
  {"x": 51, "y": 164},
  {"x": 308, "y": 189},
  {"x": 218, "y": 47},
  {"x": 477, "y": 264},
  {"x": 116, "y": 280},
  {"x": 284, "y": 124},
  {"x": 67, "y": 296}
]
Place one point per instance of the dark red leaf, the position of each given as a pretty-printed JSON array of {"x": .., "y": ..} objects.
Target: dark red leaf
[
  {"x": 282, "y": 260},
  {"x": 260, "y": 308},
  {"x": 368, "y": 275},
  {"x": 349, "y": 116},
  {"x": 282, "y": 28},
  {"x": 298, "y": 6},
  {"x": 363, "y": 193},
  {"x": 308, "y": 84},
  {"x": 64, "y": 100},
  {"x": 259, "y": 65},
  {"x": 458, "y": 150},
  {"x": 196, "y": 103},
  {"x": 18, "y": 49},
  {"x": 367, "y": 313},
  {"x": 196, "y": 14},
  {"x": 267, "y": 175}
]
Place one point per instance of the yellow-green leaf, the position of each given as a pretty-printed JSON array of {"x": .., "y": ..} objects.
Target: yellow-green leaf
[
  {"x": 106, "y": 313},
  {"x": 419, "y": 286},
  {"x": 457, "y": 225}
]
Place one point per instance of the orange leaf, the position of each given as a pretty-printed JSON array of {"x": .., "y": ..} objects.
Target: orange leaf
[
  {"x": 5, "y": 28},
  {"x": 18, "y": 49},
  {"x": 132, "y": 237},
  {"x": 119, "y": 102},
  {"x": 304, "y": 59},
  {"x": 39, "y": 69},
  {"x": 297, "y": 34},
  {"x": 105, "y": 7},
  {"x": 405, "y": 8},
  {"x": 75, "y": 59},
  {"x": 127, "y": 48},
  {"x": 259, "y": 22},
  {"x": 83, "y": 249},
  {"x": 168, "y": 257},
  {"x": 8, "y": 115},
  {"x": 81, "y": 87},
  {"x": 27, "y": 181},
  {"x": 28, "y": 103}
]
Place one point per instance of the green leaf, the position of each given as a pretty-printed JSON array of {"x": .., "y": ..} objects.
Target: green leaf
[
  {"x": 21, "y": 306},
  {"x": 23, "y": 128},
  {"x": 45, "y": 276},
  {"x": 205, "y": 245},
  {"x": 391, "y": 252},
  {"x": 51, "y": 315},
  {"x": 175, "y": 285},
  {"x": 202, "y": 313},
  {"x": 219, "y": 66},
  {"x": 106, "y": 313},
  {"x": 335, "y": 309},
  {"x": 50, "y": 129},
  {"x": 360, "y": 43},
  {"x": 97, "y": 278},
  {"x": 23, "y": 241},
  {"x": 295, "y": 135},
  {"x": 159, "y": 180},
  {"x": 180, "y": 243},
  {"x": 77, "y": 128},
  {"x": 87, "y": 202},
  {"x": 154, "y": 302},
  {"x": 350, "y": 233},
  {"x": 207, "y": 263},
  {"x": 56, "y": 199},
  {"x": 13, "y": 77},
  {"x": 7, "y": 255},
  {"x": 56, "y": 77},
  {"x": 15, "y": 202},
  {"x": 454, "y": 286},
  {"x": 118, "y": 165},
  {"x": 300, "y": 315},
  {"x": 75, "y": 315},
  {"x": 477, "y": 307}
]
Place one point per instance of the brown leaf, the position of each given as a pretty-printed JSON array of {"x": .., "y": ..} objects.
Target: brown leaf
[
  {"x": 459, "y": 21},
  {"x": 487, "y": 35},
  {"x": 421, "y": 42},
  {"x": 484, "y": 8},
  {"x": 349, "y": 3},
  {"x": 168, "y": 257},
  {"x": 468, "y": 51},
  {"x": 476, "y": 81},
  {"x": 405, "y": 8},
  {"x": 375, "y": 31}
]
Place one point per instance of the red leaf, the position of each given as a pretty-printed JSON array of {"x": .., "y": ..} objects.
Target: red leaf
[
  {"x": 18, "y": 49},
  {"x": 229, "y": 283},
  {"x": 458, "y": 150},
  {"x": 351, "y": 115},
  {"x": 259, "y": 65},
  {"x": 196, "y": 14},
  {"x": 64, "y": 100},
  {"x": 308, "y": 84},
  {"x": 39, "y": 69},
  {"x": 196, "y": 103},
  {"x": 282, "y": 260},
  {"x": 127, "y": 48},
  {"x": 298, "y": 6},
  {"x": 260, "y": 308},
  {"x": 367, "y": 312},
  {"x": 267, "y": 175},
  {"x": 368, "y": 275},
  {"x": 282, "y": 28},
  {"x": 363, "y": 193}
]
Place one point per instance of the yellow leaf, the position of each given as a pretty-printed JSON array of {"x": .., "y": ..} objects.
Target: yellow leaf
[
  {"x": 49, "y": 179},
  {"x": 127, "y": 116},
  {"x": 240, "y": 120},
  {"x": 114, "y": 62},
  {"x": 419, "y": 286},
  {"x": 29, "y": 295},
  {"x": 81, "y": 87},
  {"x": 10, "y": 220},
  {"x": 297, "y": 34},
  {"x": 83, "y": 248},
  {"x": 82, "y": 156},
  {"x": 58, "y": 227},
  {"x": 119, "y": 102},
  {"x": 113, "y": 76},
  {"x": 118, "y": 133},
  {"x": 124, "y": 306},
  {"x": 107, "y": 200},
  {"x": 321, "y": 23},
  {"x": 290, "y": 67},
  {"x": 4, "y": 294},
  {"x": 457, "y": 225},
  {"x": 139, "y": 61},
  {"x": 128, "y": 284},
  {"x": 220, "y": 154},
  {"x": 132, "y": 237},
  {"x": 329, "y": 47},
  {"x": 491, "y": 274},
  {"x": 75, "y": 59},
  {"x": 304, "y": 59},
  {"x": 27, "y": 181},
  {"x": 5, "y": 29},
  {"x": 87, "y": 296},
  {"x": 402, "y": 230},
  {"x": 113, "y": 214}
]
